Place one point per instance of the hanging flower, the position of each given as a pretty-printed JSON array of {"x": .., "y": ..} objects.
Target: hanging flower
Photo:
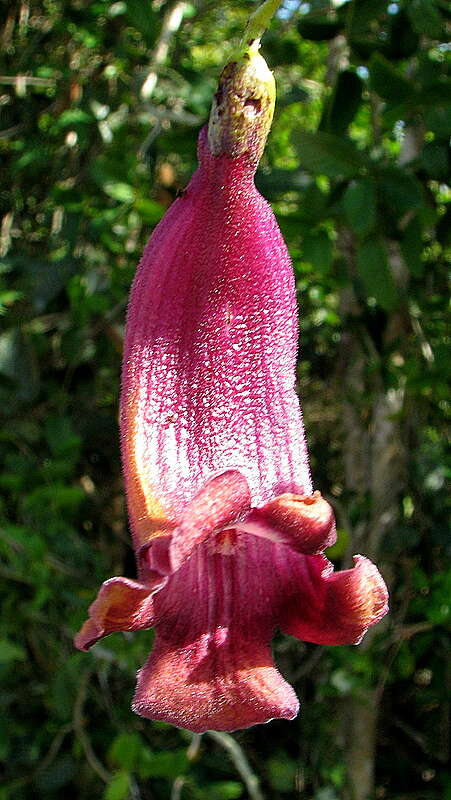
[{"x": 227, "y": 530}]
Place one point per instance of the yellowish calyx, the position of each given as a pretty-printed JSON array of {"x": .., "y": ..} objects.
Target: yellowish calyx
[{"x": 243, "y": 106}]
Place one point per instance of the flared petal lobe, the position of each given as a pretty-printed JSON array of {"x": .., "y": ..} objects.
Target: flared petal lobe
[
  {"x": 223, "y": 595},
  {"x": 211, "y": 666},
  {"x": 305, "y": 523},
  {"x": 121, "y": 605},
  {"x": 327, "y": 607}
]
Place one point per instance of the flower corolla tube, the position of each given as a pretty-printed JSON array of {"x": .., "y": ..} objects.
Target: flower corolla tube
[{"x": 228, "y": 532}]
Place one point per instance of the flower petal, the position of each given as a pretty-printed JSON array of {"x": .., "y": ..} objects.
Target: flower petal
[
  {"x": 211, "y": 667},
  {"x": 121, "y": 605},
  {"x": 210, "y": 352},
  {"x": 327, "y": 607},
  {"x": 222, "y": 502},
  {"x": 304, "y": 522}
]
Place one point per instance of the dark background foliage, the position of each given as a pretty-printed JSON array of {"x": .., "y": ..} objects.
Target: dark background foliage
[{"x": 100, "y": 106}]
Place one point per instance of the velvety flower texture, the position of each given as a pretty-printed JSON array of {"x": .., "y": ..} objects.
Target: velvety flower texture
[{"x": 227, "y": 531}]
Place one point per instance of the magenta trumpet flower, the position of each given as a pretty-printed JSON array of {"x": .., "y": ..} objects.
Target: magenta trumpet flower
[{"x": 228, "y": 534}]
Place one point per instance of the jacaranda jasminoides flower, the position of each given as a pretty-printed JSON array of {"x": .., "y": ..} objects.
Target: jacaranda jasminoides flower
[{"x": 227, "y": 530}]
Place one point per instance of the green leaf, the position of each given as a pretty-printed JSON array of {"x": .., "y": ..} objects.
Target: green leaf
[
  {"x": 44, "y": 280},
  {"x": 282, "y": 772},
  {"x": 11, "y": 652},
  {"x": 338, "y": 549},
  {"x": 18, "y": 363},
  {"x": 386, "y": 80},
  {"x": 278, "y": 181},
  {"x": 373, "y": 269},
  {"x": 318, "y": 30},
  {"x": 343, "y": 104},
  {"x": 149, "y": 210},
  {"x": 143, "y": 17},
  {"x": 126, "y": 750},
  {"x": 295, "y": 95},
  {"x": 118, "y": 787},
  {"x": 122, "y": 192},
  {"x": 317, "y": 249},
  {"x": 61, "y": 437},
  {"x": 364, "y": 14},
  {"x": 8, "y": 298},
  {"x": 72, "y": 117},
  {"x": 403, "y": 40},
  {"x": 412, "y": 248},
  {"x": 438, "y": 120},
  {"x": 163, "y": 765},
  {"x": 426, "y": 19},
  {"x": 400, "y": 191},
  {"x": 360, "y": 206},
  {"x": 225, "y": 790},
  {"x": 435, "y": 160},
  {"x": 58, "y": 774},
  {"x": 329, "y": 155}
]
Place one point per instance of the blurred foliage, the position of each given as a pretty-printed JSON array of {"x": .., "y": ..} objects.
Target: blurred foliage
[{"x": 359, "y": 153}]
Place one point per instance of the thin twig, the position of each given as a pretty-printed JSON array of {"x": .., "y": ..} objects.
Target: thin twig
[
  {"x": 79, "y": 728},
  {"x": 177, "y": 787},
  {"x": 28, "y": 80},
  {"x": 242, "y": 766},
  {"x": 53, "y": 750},
  {"x": 170, "y": 25},
  {"x": 191, "y": 754},
  {"x": 310, "y": 662}
]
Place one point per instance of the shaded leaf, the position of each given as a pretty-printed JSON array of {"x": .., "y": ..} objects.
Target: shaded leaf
[
  {"x": 438, "y": 120},
  {"x": 61, "y": 437},
  {"x": 403, "y": 40},
  {"x": 435, "y": 160},
  {"x": 118, "y": 787},
  {"x": 360, "y": 206},
  {"x": 44, "y": 280},
  {"x": 149, "y": 210},
  {"x": 55, "y": 776},
  {"x": 412, "y": 247},
  {"x": 329, "y": 155},
  {"x": 373, "y": 269},
  {"x": 400, "y": 191},
  {"x": 386, "y": 80},
  {"x": 278, "y": 181},
  {"x": 18, "y": 364},
  {"x": 317, "y": 249},
  {"x": 11, "y": 652},
  {"x": 365, "y": 13},
  {"x": 143, "y": 17},
  {"x": 318, "y": 30},
  {"x": 126, "y": 750},
  {"x": 163, "y": 765},
  {"x": 343, "y": 104},
  {"x": 426, "y": 19}
]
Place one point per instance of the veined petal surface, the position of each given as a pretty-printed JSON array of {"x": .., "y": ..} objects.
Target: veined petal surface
[
  {"x": 211, "y": 341},
  {"x": 211, "y": 666}
]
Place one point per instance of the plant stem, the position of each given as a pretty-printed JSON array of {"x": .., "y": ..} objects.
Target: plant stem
[{"x": 258, "y": 22}]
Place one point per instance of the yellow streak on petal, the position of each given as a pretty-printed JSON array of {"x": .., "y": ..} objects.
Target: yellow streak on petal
[{"x": 148, "y": 517}]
